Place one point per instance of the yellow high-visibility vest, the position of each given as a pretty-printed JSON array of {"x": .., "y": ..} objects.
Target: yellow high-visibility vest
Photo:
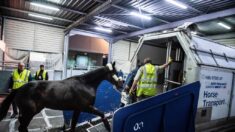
[
  {"x": 43, "y": 74},
  {"x": 148, "y": 81},
  {"x": 20, "y": 79}
]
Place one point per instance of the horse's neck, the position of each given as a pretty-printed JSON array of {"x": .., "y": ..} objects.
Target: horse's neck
[{"x": 94, "y": 78}]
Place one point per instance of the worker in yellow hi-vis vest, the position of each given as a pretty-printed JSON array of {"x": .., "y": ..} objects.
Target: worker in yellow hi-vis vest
[
  {"x": 41, "y": 74},
  {"x": 146, "y": 79},
  {"x": 20, "y": 76}
]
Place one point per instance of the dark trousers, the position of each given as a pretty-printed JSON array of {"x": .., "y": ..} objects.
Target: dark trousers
[{"x": 14, "y": 106}]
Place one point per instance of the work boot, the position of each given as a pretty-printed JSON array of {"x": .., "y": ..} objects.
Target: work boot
[{"x": 13, "y": 115}]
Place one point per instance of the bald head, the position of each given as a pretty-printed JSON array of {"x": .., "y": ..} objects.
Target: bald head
[{"x": 21, "y": 66}]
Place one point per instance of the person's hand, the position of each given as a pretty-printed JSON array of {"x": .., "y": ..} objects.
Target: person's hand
[
  {"x": 170, "y": 60},
  {"x": 9, "y": 90},
  {"x": 131, "y": 92},
  {"x": 126, "y": 89}
]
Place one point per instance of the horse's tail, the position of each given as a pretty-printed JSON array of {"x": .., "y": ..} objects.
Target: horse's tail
[{"x": 6, "y": 104}]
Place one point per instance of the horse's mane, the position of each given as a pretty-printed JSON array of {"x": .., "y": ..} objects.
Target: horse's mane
[{"x": 90, "y": 74}]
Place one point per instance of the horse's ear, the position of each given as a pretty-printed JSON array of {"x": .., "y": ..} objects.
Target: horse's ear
[{"x": 113, "y": 63}]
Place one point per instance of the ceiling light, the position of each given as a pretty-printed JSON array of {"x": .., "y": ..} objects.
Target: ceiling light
[
  {"x": 141, "y": 15},
  {"x": 181, "y": 5},
  {"x": 39, "y": 16},
  {"x": 111, "y": 21},
  {"x": 224, "y": 25},
  {"x": 118, "y": 23},
  {"x": 103, "y": 29},
  {"x": 45, "y": 6},
  {"x": 194, "y": 32}
]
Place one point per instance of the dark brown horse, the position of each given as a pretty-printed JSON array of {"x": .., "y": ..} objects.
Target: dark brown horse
[{"x": 76, "y": 93}]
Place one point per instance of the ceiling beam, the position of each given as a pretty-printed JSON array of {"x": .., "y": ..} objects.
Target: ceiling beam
[
  {"x": 90, "y": 25},
  {"x": 200, "y": 18},
  {"x": 91, "y": 34},
  {"x": 94, "y": 12},
  {"x": 26, "y": 12}
]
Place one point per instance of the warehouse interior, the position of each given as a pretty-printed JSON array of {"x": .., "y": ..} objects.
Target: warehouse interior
[{"x": 73, "y": 37}]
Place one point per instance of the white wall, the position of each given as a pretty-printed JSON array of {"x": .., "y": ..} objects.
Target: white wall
[{"x": 122, "y": 53}]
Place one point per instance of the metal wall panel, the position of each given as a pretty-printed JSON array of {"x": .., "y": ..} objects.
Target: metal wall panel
[
  {"x": 33, "y": 37},
  {"x": 19, "y": 35},
  {"x": 48, "y": 39},
  {"x": 122, "y": 52}
]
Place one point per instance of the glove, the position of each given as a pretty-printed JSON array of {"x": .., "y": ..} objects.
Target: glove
[
  {"x": 9, "y": 90},
  {"x": 170, "y": 60}
]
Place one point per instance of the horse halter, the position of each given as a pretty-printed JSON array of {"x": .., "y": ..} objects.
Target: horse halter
[{"x": 115, "y": 77}]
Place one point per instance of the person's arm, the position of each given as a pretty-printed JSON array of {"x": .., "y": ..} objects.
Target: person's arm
[
  {"x": 136, "y": 79},
  {"x": 9, "y": 84},
  {"x": 166, "y": 64},
  {"x": 36, "y": 76},
  {"x": 133, "y": 87},
  {"x": 47, "y": 76},
  {"x": 30, "y": 77}
]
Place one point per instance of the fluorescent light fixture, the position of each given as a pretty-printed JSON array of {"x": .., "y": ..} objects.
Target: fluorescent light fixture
[
  {"x": 118, "y": 23},
  {"x": 45, "y": 6},
  {"x": 103, "y": 29},
  {"x": 39, "y": 16},
  {"x": 224, "y": 25},
  {"x": 194, "y": 32},
  {"x": 111, "y": 21},
  {"x": 174, "y": 2},
  {"x": 141, "y": 15}
]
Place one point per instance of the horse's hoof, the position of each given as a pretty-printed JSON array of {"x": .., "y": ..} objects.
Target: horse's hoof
[
  {"x": 69, "y": 130},
  {"x": 106, "y": 124}
]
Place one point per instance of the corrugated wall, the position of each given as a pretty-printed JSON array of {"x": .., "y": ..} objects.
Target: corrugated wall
[
  {"x": 34, "y": 37},
  {"x": 122, "y": 53}
]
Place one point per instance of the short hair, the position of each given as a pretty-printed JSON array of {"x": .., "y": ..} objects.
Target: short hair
[
  {"x": 147, "y": 60},
  {"x": 41, "y": 65},
  {"x": 21, "y": 64}
]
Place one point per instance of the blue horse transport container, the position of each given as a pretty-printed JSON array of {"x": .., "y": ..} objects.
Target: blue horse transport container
[
  {"x": 107, "y": 100},
  {"x": 173, "y": 111}
]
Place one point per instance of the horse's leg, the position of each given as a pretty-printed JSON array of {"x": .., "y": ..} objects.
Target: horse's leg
[
  {"x": 24, "y": 120},
  {"x": 27, "y": 112},
  {"x": 95, "y": 111},
  {"x": 76, "y": 114}
]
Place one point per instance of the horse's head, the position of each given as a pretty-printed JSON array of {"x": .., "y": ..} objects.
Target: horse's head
[{"x": 112, "y": 75}]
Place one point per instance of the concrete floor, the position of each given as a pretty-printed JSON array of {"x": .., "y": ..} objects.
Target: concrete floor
[{"x": 43, "y": 121}]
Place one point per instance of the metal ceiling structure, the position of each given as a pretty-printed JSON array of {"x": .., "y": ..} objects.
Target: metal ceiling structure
[{"x": 85, "y": 15}]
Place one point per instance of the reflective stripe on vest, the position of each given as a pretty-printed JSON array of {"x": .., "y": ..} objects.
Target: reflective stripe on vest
[
  {"x": 43, "y": 74},
  {"x": 20, "y": 79},
  {"x": 148, "y": 81}
]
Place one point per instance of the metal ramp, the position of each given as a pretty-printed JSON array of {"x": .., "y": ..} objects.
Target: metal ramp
[{"x": 99, "y": 127}]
